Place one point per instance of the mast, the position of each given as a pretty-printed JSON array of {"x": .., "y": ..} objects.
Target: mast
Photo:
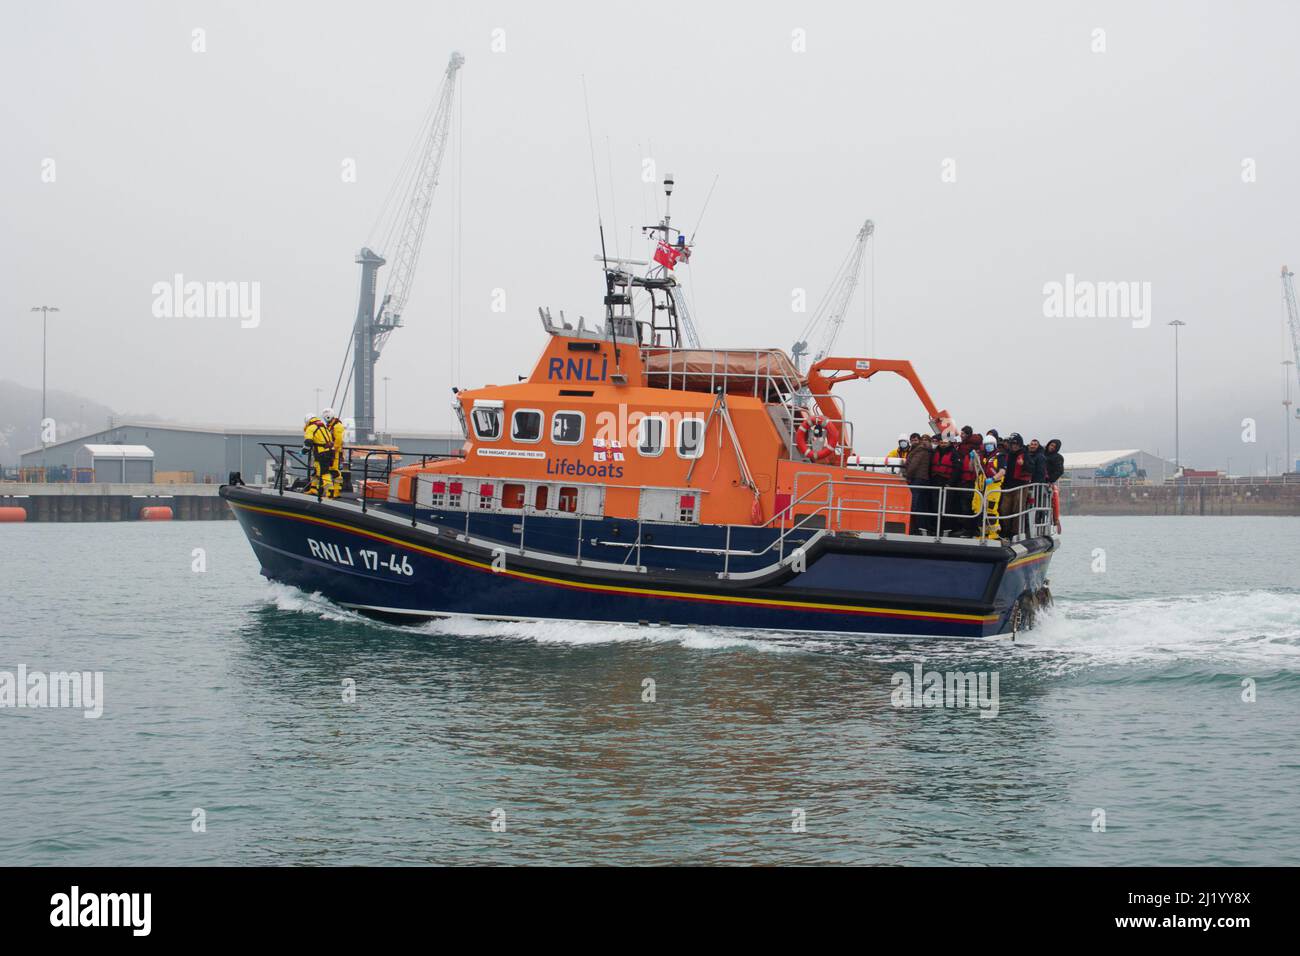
[{"x": 670, "y": 322}]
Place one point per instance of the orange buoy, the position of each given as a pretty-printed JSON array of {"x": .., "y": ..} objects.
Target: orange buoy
[
  {"x": 156, "y": 513},
  {"x": 13, "y": 513}
]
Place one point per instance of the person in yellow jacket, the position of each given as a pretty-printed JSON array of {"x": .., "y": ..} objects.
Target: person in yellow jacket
[
  {"x": 334, "y": 471},
  {"x": 988, "y": 486},
  {"x": 319, "y": 444},
  {"x": 899, "y": 450}
]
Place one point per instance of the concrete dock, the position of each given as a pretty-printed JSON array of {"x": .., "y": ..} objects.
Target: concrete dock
[
  {"x": 113, "y": 502},
  {"x": 1239, "y": 496}
]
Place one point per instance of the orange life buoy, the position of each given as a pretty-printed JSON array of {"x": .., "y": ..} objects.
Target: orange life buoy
[
  {"x": 1056, "y": 508},
  {"x": 810, "y": 425}
]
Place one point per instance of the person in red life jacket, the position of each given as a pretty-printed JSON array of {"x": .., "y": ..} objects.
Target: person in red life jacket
[
  {"x": 1015, "y": 487},
  {"x": 945, "y": 471},
  {"x": 966, "y": 466},
  {"x": 916, "y": 469}
]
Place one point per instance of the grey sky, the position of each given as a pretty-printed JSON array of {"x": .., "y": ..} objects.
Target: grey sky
[{"x": 225, "y": 166}]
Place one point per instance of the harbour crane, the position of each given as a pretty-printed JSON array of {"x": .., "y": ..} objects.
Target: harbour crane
[
  {"x": 1293, "y": 319},
  {"x": 828, "y": 318},
  {"x": 414, "y": 193}
]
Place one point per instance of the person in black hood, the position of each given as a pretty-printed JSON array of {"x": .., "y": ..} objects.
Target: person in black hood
[
  {"x": 1054, "y": 460},
  {"x": 1037, "y": 462},
  {"x": 1039, "y": 497}
]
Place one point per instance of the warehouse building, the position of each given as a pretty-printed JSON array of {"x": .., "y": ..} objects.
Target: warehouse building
[
  {"x": 200, "y": 453},
  {"x": 110, "y": 463},
  {"x": 1129, "y": 464}
]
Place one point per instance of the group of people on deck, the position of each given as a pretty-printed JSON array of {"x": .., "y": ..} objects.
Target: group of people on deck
[{"x": 979, "y": 470}]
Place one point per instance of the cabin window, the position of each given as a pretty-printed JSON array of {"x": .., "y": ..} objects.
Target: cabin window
[
  {"x": 690, "y": 438},
  {"x": 567, "y": 500},
  {"x": 487, "y": 423},
  {"x": 512, "y": 496},
  {"x": 541, "y": 498},
  {"x": 650, "y": 437},
  {"x": 526, "y": 425},
  {"x": 566, "y": 428},
  {"x": 485, "y": 497}
]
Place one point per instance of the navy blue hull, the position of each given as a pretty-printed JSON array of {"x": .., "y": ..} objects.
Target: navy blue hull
[{"x": 379, "y": 564}]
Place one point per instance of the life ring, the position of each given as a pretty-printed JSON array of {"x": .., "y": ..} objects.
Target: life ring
[{"x": 812, "y": 425}]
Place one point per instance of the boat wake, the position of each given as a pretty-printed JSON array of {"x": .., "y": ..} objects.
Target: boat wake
[
  {"x": 284, "y": 597},
  {"x": 593, "y": 632},
  {"x": 1259, "y": 629}
]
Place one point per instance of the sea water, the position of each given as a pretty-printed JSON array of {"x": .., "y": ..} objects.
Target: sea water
[{"x": 1151, "y": 718}]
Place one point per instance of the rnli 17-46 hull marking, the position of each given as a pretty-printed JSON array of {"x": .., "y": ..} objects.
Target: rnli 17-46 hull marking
[{"x": 417, "y": 579}]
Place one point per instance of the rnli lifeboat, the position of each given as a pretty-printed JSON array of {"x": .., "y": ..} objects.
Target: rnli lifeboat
[{"x": 638, "y": 478}]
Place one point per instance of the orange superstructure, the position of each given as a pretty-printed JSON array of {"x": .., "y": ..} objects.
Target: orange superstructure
[{"x": 620, "y": 429}]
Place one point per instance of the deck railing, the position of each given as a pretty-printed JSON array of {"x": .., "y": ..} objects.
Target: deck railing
[
  {"x": 823, "y": 506},
  {"x": 769, "y": 379}
]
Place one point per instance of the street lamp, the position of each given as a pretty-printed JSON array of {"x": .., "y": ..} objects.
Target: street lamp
[
  {"x": 45, "y": 311},
  {"x": 1177, "y": 324}
]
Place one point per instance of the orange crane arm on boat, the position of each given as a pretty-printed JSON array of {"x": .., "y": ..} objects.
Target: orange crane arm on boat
[{"x": 842, "y": 369}]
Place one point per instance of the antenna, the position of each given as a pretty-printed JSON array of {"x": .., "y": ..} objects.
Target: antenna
[
  {"x": 600, "y": 223},
  {"x": 703, "y": 209}
]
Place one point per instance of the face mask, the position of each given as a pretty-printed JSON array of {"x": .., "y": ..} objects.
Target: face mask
[{"x": 990, "y": 446}]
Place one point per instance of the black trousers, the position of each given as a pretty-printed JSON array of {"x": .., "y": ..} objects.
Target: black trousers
[
  {"x": 925, "y": 501},
  {"x": 957, "y": 509}
]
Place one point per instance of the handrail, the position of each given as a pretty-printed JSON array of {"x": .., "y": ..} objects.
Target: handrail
[
  {"x": 1037, "y": 504},
  {"x": 292, "y": 457},
  {"x": 829, "y": 496},
  {"x": 765, "y": 368}
]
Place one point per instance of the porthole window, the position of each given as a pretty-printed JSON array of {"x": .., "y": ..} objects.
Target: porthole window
[
  {"x": 526, "y": 425},
  {"x": 650, "y": 437},
  {"x": 567, "y": 427},
  {"x": 690, "y": 438}
]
